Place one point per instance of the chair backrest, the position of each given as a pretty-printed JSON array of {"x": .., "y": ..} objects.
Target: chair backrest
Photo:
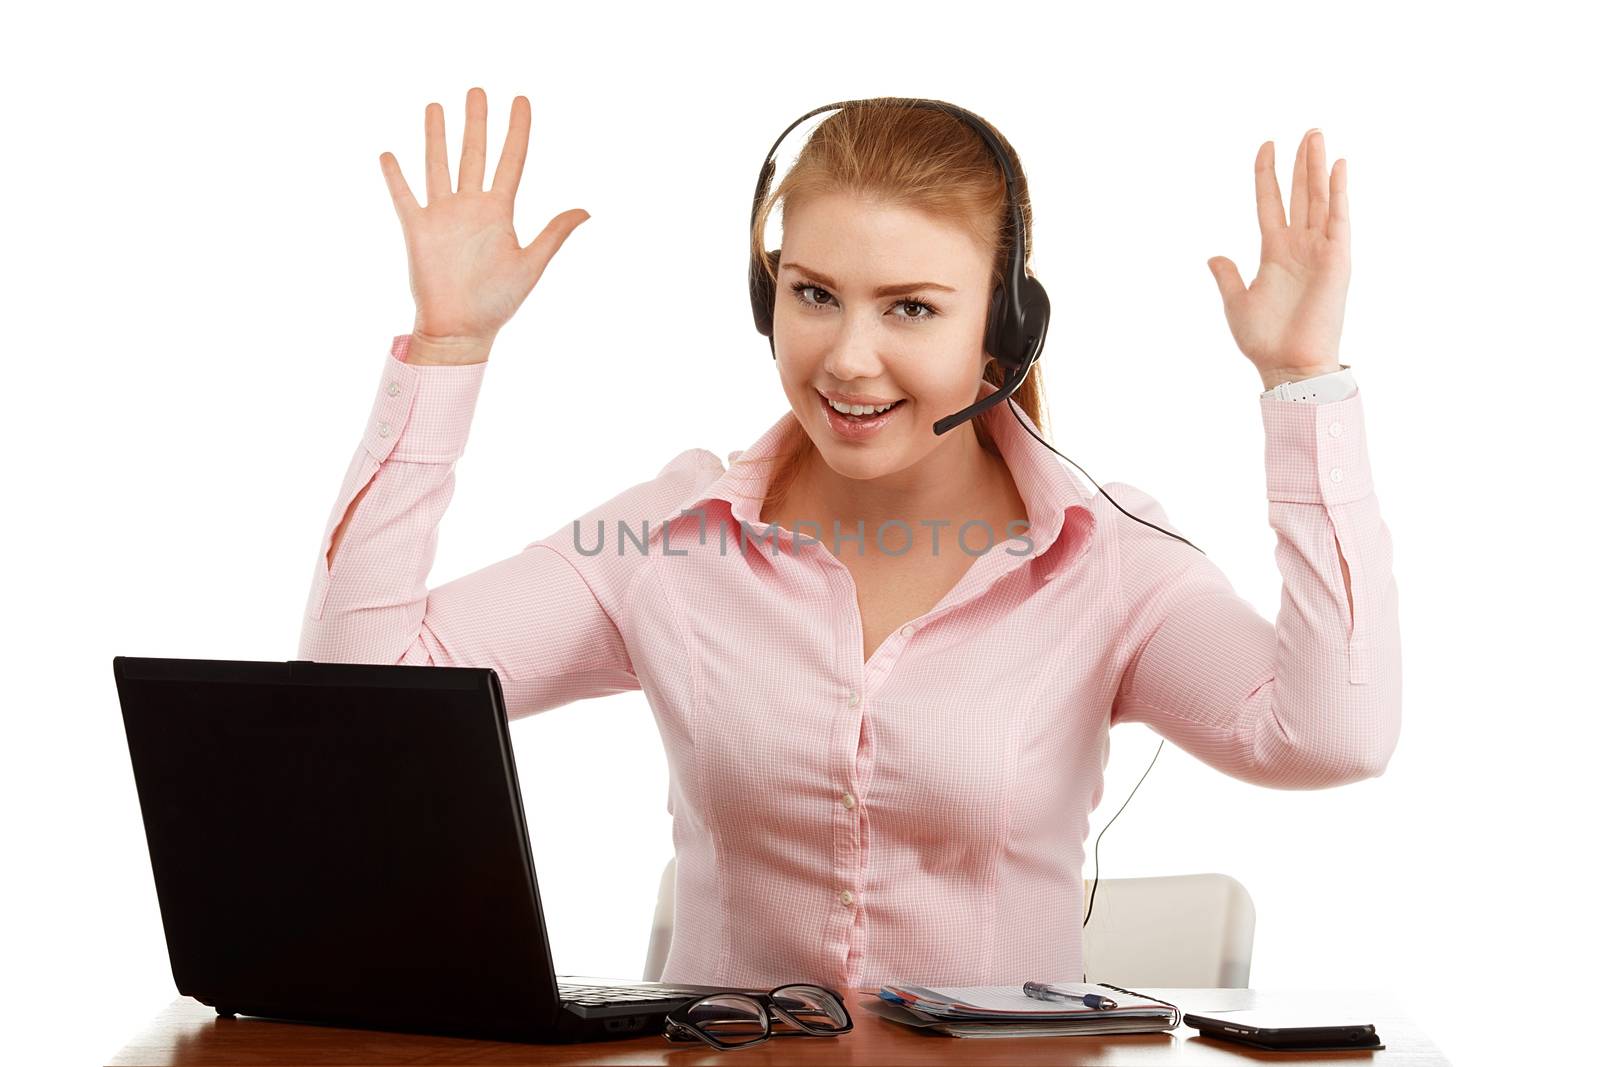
[
  {"x": 655, "y": 959},
  {"x": 1176, "y": 930}
]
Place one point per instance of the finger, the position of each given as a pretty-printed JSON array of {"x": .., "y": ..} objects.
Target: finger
[
  {"x": 1338, "y": 203},
  {"x": 1317, "y": 183},
  {"x": 438, "y": 166},
  {"x": 537, "y": 255},
  {"x": 399, "y": 191},
  {"x": 515, "y": 151},
  {"x": 1297, "y": 187},
  {"x": 1269, "y": 198},
  {"x": 472, "y": 142},
  {"x": 1229, "y": 284}
]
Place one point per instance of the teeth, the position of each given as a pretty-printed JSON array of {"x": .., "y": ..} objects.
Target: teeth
[{"x": 857, "y": 409}]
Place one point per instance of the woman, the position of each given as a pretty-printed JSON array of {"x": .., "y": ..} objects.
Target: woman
[{"x": 884, "y": 741}]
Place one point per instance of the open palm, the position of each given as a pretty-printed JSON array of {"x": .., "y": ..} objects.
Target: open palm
[
  {"x": 1288, "y": 320},
  {"x": 468, "y": 273}
]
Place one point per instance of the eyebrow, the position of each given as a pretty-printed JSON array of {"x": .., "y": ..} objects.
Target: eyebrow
[{"x": 882, "y": 290}]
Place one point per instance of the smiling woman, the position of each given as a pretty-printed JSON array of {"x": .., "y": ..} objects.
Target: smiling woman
[
  {"x": 894, "y": 236},
  {"x": 881, "y": 763}
]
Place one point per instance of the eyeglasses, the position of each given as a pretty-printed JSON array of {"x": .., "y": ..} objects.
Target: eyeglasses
[{"x": 737, "y": 1020}]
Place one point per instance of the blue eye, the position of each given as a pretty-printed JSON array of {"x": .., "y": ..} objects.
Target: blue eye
[{"x": 928, "y": 310}]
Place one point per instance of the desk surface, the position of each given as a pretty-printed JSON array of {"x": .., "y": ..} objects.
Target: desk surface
[{"x": 188, "y": 1032}]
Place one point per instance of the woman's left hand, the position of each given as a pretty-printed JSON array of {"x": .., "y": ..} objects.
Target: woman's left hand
[{"x": 1288, "y": 321}]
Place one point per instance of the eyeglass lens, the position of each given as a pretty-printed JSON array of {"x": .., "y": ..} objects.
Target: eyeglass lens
[
  {"x": 734, "y": 1018},
  {"x": 814, "y": 1008}
]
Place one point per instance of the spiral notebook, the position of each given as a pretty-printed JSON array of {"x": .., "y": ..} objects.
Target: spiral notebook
[{"x": 1005, "y": 1011}]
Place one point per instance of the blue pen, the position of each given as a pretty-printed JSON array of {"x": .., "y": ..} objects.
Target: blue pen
[{"x": 1046, "y": 991}]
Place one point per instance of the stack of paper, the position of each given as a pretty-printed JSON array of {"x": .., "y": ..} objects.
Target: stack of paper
[{"x": 1005, "y": 1011}]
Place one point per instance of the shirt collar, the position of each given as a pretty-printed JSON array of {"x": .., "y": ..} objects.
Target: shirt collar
[{"x": 1056, "y": 505}]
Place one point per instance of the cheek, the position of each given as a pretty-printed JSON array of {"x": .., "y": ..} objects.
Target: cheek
[
  {"x": 795, "y": 366},
  {"x": 940, "y": 385},
  {"x": 795, "y": 377}
]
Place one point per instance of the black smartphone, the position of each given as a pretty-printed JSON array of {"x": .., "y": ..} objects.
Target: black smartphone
[{"x": 1278, "y": 1029}]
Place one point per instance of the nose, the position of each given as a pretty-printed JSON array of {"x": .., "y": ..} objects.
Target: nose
[{"x": 854, "y": 353}]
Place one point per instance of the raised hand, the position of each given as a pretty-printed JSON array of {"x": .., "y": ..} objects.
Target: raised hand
[
  {"x": 1288, "y": 321},
  {"x": 468, "y": 273}
]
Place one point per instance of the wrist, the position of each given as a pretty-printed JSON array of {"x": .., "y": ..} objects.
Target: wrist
[
  {"x": 426, "y": 350},
  {"x": 1273, "y": 378}
]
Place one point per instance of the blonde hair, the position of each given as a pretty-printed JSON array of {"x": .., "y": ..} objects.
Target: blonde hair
[{"x": 910, "y": 157}]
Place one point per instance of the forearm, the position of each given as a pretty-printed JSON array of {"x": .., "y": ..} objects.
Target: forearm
[
  {"x": 1308, "y": 702},
  {"x": 1324, "y": 385},
  {"x": 369, "y": 589},
  {"x": 1336, "y": 685}
]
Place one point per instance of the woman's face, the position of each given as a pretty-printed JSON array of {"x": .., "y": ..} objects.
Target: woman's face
[{"x": 921, "y": 346}]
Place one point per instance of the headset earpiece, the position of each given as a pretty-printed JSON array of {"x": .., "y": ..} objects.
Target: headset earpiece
[
  {"x": 991, "y": 329},
  {"x": 762, "y": 293}
]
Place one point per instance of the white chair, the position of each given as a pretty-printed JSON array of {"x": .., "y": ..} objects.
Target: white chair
[
  {"x": 1177, "y": 930},
  {"x": 655, "y": 959}
]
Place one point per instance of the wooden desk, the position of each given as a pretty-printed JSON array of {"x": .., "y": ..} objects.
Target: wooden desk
[{"x": 188, "y": 1032}]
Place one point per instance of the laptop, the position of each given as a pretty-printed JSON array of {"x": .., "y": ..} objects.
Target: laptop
[{"x": 345, "y": 844}]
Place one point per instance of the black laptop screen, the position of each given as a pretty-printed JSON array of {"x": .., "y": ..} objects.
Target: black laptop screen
[{"x": 331, "y": 835}]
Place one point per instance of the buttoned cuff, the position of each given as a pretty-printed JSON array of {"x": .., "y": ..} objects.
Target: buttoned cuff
[
  {"x": 422, "y": 413},
  {"x": 1316, "y": 453}
]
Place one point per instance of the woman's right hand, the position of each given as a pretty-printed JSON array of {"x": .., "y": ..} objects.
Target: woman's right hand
[{"x": 468, "y": 274}]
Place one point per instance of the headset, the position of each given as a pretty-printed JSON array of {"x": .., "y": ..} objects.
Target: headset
[{"x": 1019, "y": 316}]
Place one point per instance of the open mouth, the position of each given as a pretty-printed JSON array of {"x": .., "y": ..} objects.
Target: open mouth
[{"x": 859, "y": 428}]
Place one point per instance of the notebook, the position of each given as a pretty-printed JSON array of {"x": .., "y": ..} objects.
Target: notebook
[{"x": 1005, "y": 1011}]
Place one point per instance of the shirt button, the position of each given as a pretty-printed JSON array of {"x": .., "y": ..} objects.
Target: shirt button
[
  {"x": 1335, "y": 429},
  {"x": 846, "y": 897},
  {"x": 394, "y": 389},
  {"x": 1336, "y": 475},
  {"x": 907, "y": 630},
  {"x": 383, "y": 429},
  {"x": 855, "y": 698},
  {"x": 848, "y": 801}
]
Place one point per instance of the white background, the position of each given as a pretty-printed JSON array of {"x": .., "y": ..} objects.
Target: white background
[{"x": 204, "y": 272}]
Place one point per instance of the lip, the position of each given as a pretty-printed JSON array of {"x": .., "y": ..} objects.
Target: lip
[{"x": 855, "y": 429}]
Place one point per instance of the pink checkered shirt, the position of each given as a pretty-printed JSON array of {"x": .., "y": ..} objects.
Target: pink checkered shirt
[{"x": 920, "y": 816}]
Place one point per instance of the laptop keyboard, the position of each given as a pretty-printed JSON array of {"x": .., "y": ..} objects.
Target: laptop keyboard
[{"x": 617, "y": 994}]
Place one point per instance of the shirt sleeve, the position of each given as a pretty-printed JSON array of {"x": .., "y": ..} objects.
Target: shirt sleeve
[
  {"x": 531, "y": 617},
  {"x": 1313, "y": 701}
]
